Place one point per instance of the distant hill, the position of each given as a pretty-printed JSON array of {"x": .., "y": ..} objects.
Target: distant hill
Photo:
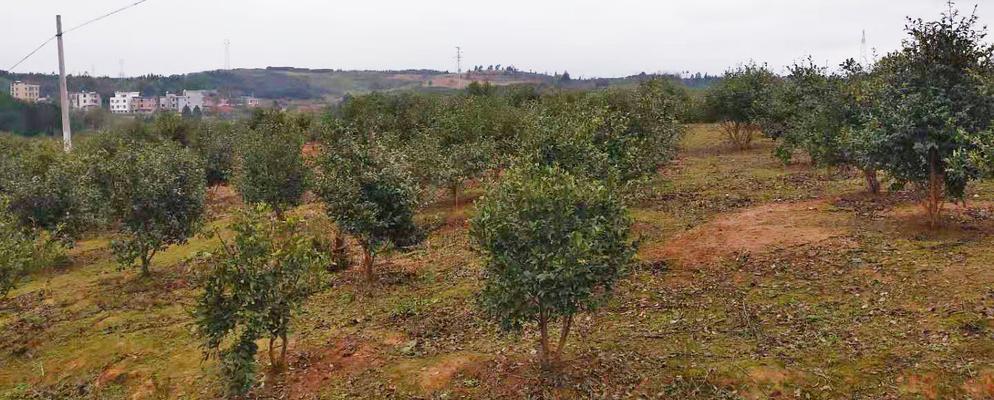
[
  {"x": 305, "y": 84},
  {"x": 277, "y": 82}
]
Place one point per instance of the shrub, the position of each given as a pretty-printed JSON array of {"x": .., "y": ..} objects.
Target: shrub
[
  {"x": 742, "y": 101},
  {"x": 16, "y": 250},
  {"x": 933, "y": 105},
  {"x": 216, "y": 146},
  {"x": 271, "y": 168},
  {"x": 157, "y": 196},
  {"x": 826, "y": 116},
  {"x": 48, "y": 189},
  {"x": 554, "y": 245},
  {"x": 369, "y": 193},
  {"x": 253, "y": 287},
  {"x": 620, "y": 137}
]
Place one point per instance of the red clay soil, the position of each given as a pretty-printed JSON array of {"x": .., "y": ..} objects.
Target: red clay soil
[
  {"x": 752, "y": 230},
  {"x": 347, "y": 357}
]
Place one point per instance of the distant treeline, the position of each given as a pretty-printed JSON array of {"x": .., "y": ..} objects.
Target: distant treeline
[{"x": 28, "y": 119}]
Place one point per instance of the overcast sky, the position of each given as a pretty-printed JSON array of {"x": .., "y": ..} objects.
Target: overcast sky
[{"x": 585, "y": 37}]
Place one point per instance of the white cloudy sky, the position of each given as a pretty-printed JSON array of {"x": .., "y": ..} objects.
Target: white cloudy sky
[{"x": 585, "y": 37}]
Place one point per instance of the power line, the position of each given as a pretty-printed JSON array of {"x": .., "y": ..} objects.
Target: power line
[
  {"x": 11, "y": 69},
  {"x": 104, "y": 16},
  {"x": 31, "y": 53}
]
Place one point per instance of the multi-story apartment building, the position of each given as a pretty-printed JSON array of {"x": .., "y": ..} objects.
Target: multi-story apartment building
[
  {"x": 85, "y": 100},
  {"x": 144, "y": 105},
  {"x": 250, "y": 101},
  {"x": 25, "y": 91},
  {"x": 194, "y": 99},
  {"x": 171, "y": 102},
  {"x": 122, "y": 102}
]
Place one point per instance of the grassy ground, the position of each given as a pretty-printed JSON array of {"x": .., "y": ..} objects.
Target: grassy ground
[{"x": 757, "y": 280}]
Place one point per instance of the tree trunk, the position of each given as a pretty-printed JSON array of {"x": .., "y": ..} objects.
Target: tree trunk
[
  {"x": 543, "y": 327},
  {"x": 367, "y": 263},
  {"x": 563, "y": 335},
  {"x": 455, "y": 195},
  {"x": 935, "y": 193},
  {"x": 872, "y": 183},
  {"x": 739, "y": 134},
  {"x": 272, "y": 355},
  {"x": 146, "y": 262},
  {"x": 283, "y": 350}
]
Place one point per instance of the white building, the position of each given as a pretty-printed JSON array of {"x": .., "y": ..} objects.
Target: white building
[
  {"x": 190, "y": 98},
  {"x": 85, "y": 100},
  {"x": 121, "y": 102}
]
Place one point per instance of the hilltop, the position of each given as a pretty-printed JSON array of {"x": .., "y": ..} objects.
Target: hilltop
[{"x": 312, "y": 84}]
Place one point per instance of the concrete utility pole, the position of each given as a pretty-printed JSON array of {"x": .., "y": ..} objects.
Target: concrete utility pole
[
  {"x": 458, "y": 59},
  {"x": 63, "y": 88}
]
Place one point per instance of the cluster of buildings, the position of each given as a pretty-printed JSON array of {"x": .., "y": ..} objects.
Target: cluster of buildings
[
  {"x": 196, "y": 101},
  {"x": 192, "y": 100}
]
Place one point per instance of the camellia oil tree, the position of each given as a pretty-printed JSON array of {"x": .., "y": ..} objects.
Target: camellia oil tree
[
  {"x": 272, "y": 168},
  {"x": 252, "y": 288},
  {"x": 554, "y": 245},
  {"x": 16, "y": 250},
  {"x": 157, "y": 197},
  {"x": 461, "y": 143},
  {"x": 933, "y": 105},
  {"x": 826, "y": 116},
  {"x": 371, "y": 196},
  {"x": 741, "y": 102},
  {"x": 48, "y": 189}
]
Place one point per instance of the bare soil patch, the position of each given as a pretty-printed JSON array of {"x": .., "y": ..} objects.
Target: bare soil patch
[
  {"x": 313, "y": 370},
  {"x": 753, "y": 230}
]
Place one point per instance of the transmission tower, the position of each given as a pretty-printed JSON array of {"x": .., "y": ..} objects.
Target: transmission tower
[
  {"x": 227, "y": 54},
  {"x": 458, "y": 59},
  {"x": 862, "y": 50},
  {"x": 121, "y": 63}
]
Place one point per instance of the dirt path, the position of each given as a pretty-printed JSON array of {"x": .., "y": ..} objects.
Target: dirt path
[{"x": 753, "y": 230}]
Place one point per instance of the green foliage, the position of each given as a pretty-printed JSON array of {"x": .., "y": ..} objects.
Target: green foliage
[
  {"x": 169, "y": 126},
  {"x": 379, "y": 116},
  {"x": 464, "y": 140},
  {"x": 827, "y": 116},
  {"x": 369, "y": 192},
  {"x": 29, "y": 119},
  {"x": 619, "y": 136},
  {"x": 16, "y": 250},
  {"x": 47, "y": 188},
  {"x": 742, "y": 102},
  {"x": 553, "y": 243},
  {"x": 216, "y": 145},
  {"x": 933, "y": 104},
  {"x": 271, "y": 168},
  {"x": 252, "y": 289},
  {"x": 647, "y": 127},
  {"x": 156, "y": 194}
]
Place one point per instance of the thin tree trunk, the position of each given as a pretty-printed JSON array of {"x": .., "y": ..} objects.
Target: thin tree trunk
[
  {"x": 872, "y": 183},
  {"x": 146, "y": 260},
  {"x": 272, "y": 355},
  {"x": 935, "y": 195},
  {"x": 563, "y": 335},
  {"x": 283, "y": 350},
  {"x": 367, "y": 263},
  {"x": 543, "y": 327}
]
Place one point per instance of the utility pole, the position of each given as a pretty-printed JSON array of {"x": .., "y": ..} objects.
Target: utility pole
[
  {"x": 862, "y": 51},
  {"x": 458, "y": 59},
  {"x": 63, "y": 89}
]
